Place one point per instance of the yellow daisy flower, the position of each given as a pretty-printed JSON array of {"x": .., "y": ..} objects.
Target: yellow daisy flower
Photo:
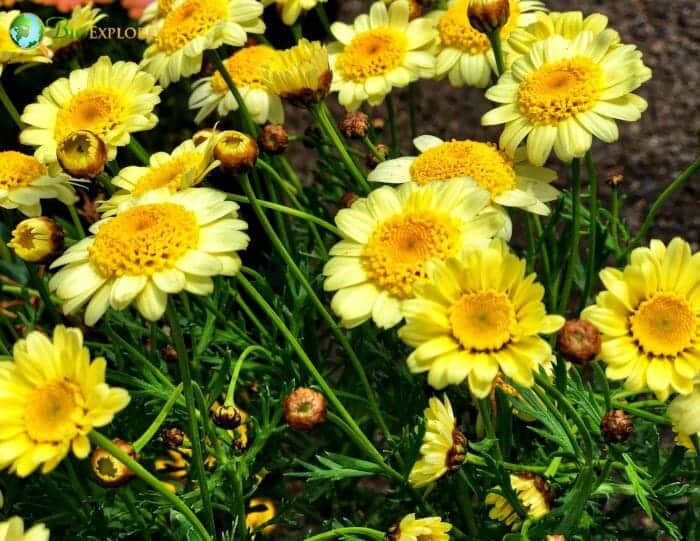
[
  {"x": 684, "y": 412},
  {"x": 444, "y": 446},
  {"x": 649, "y": 316},
  {"x": 192, "y": 26},
  {"x": 388, "y": 239},
  {"x": 478, "y": 313},
  {"x": 563, "y": 92},
  {"x": 13, "y": 530},
  {"x": 533, "y": 492},
  {"x": 82, "y": 20},
  {"x": 24, "y": 182},
  {"x": 157, "y": 244},
  {"x": 52, "y": 396},
  {"x": 246, "y": 67},
  {"x": 184, "y": 167},
  {"x": 110, "y": 100},
  {"x": 464, "y": 54},
  {"x": 292, "y": 9},
  {"x": 380, "y": 51},
  {"x": 11, "y": 53},
  {"x": 413, "y": 529}
]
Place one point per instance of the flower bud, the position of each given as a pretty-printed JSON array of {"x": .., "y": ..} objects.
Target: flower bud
[
  {"x": 305, "y": 408},
  {"x": 273, "y": 139},
  {"x": 82, "y": 154},
  {"x": 615, "y": 177},
  {"x": 616, "y": 426},
  {"x": 378, "y": 123},
  {"x": 37, "y": 240},
  {"x": 487, "y": 16},
  {"x": 172, "y": 437},
  {"x": 202, "y": 135},
  {"x": 458, "y": 451},
  {"x": 108, "y": 470},
  {"x": 354, "y": 125},
  {"x": 169, "y": 353},
  {"x": 348, "y": 199},
  {"x": 226, "y": 417},
  {"x": 579, "y": 340},
  {"x": 236, "y": 151},
  {"x": 371, "y": 160}
]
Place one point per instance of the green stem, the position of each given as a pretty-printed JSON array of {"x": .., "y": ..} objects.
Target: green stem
[
  {"x": 485, "y": 410},
  {"x": 143, "y": 474},
  {"x": 412, "y": 110},
  {"x": 373, "y": 149},
  {"x": 239, "y": 500},
  {"x": 592, "y": 228},
  {"x": 229, "y": 401},
  {"x": 465, "y": 501},
  {"x": 138, "y": 151},
  {"x": 43, "y": 293},
  {"x": 495, "y": 40},
  {"x": 11, "y": 109},
  {"x": 76, "y": 221},
  {"x": 248, "y": 122},
  {"x": 575, "y": 235},
  {"x": 147, "y": 436},
  {"x": 604, "y": 382},
  {"x": 391, "y": 117},
  {"x": 638, "y": 412},
  {"x": 323, "y": 17},
  {"x": 339, "y": 532},
  {"x": 184, "y": 366}
]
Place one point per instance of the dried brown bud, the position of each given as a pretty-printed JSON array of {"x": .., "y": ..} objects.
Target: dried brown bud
[
  {"x": 273, "y": 139},
  {"x": 458, "y": 451},
  {"x": 616, "y": 426},
  {"x": 226, "y": 417},
  {"x": 487, "y": 16},
  {"x": 82, "y": 154},
  {"x": 615, "y": 176},
  {"x": 170, "y": 353},
  {"x": 305, "y": 408},
  {"x": 108, "y": 470},
  {"x": 371, "y": 160},
  {"x": 236, "y": 151},
  {"x": 172, "y": 437},
  {"x": 415, "y": 9},
  {"x": 37, "y": 240},
  {"x": 354, "y": 125},
  {"x": 378, "y": 123},
  {"x": 348, "y": 199},
  {"x": 579, "y": 340}
]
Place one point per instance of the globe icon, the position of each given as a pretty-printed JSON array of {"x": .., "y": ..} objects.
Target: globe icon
[{"x": 26, "y": 30}]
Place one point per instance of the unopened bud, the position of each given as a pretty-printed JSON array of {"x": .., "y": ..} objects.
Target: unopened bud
[
  {"x": 304, "y": 409},
  {"x": 170, "y": 353},
  {"x": 616, "y": 426},
  {"x": 82, "y": 154},
  {"x": 172, "y": 437},
  {"x": 458, "y": 451},
  {"x": 273, "y": 139},
  {"x": 37, "y": 240},
  {"x": 108, "y": 470},
  {"x": 372, "y": 161},
  {"x": 616, "y": 176},
  {"x": 202, "y": 135},
  {"x": 579, "y": 340},
  {"x": 236, "y": 151},
  {"x": 226, "y": 417},
  {"x": 487, "y": 16},
  {"x": 354, "y": 125},
  {"x": 378, "y": 123}
]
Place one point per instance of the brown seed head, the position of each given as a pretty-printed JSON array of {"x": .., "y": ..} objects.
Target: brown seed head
[
  {"x": 305, "y": 409},
  {"x": 616, "y": 426},
  {"x": 172, "y": 437},
  {"x": 372, "y": 161},
  {"x": 226, "y": 417},
  {"x": 579, "y": 340},
  {"x": 107, "y": 469},
  {"x": 236, "y": 151},
  {"x": 615, "y": 176},
  {"x": 273, "y": 139},
  {"x": 486, "y": 16},
  {"x": 354, "y": 125},
  {"x": 82, "y": 154},
  {"x": 378, "y": 123}
]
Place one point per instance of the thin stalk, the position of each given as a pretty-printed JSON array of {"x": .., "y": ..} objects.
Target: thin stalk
[
  {"x": 592, "y": 230},
  {"x": 465, "y": 501},
  {"x": 373, "y": 149},
  {"x": 658, "y": 419},
  {"x": 11, "y": 109},
  {"x": 248, "y": 122},
  {"x": 237, "y": 369},
  {"x": 495, "y": 40},
  {"x": 485, "y": 410},
  {"x": 76, "y": 221},
  {"x": 575, "y": 235},
  {"x": 350, "y": 530},
  {"x": 138, "y": 151},
  {"x": 604, "y": 382},
  {"x": 391, "y": 116},
  {"x": 43, "y": 293},
  {"x": 147, "y": 436},
  {"x": 323, "y": 17},
  {"x": 235, "y": 477}
]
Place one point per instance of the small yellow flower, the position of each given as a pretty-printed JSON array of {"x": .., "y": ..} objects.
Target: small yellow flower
[
  {"x": 534, "y": 494},
  {"x": 13, "y": 530},
  {"x": 82, "y": 20},
  {"x": 236, "y": 151},
  {"x": 292, "y": 9},
  {"x": 684, "y": 412},
  {"x": 37, "y": 240},
  {"x": 649, "y": 316},
  {"x": 260, "y": 512},
  {"x": 11, "y": 53},
  {"x": 53, "y": 396},
  {"x": 444, "y": 446},
  {"x": 419, "y": 529}
]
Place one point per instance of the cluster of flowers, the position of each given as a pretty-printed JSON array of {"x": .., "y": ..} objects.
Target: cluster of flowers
[{"x": 432, "y": 252}]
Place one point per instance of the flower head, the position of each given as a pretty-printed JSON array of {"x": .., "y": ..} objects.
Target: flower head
[
  {"x": 24, "y": 182},
  {"x": 236, "y": 151},
  {"x": 157, "y": 244},
  {"x": 53, "y": 396},
  {"x": 82, "y": 20},
  {"x": 649, "y": 316},
  {"x": 535, "y": 496},
  {"x": 110, "y": 100},
  {"x": 444, "y": 446},
  {"x": 37, "y": 240},
  {"x": 290, "y": 10},
  {"x": 108, "y": 470},
  {"x": 684, "y": 412},
  {"x": 487, "y": 16},
  {"x": 305, "y": 408},
  {"x": 389, "y": 239},
  {"x": 13, "y": 530},
  {"x": 412, "y": 529},
  {"x": 380, "y": 51},
  {"x": 616, "y": 426},
  {"x": 11, "y": 53},
  {"x": 476, "y": 314},
  {"x": 82, "y": 154}
]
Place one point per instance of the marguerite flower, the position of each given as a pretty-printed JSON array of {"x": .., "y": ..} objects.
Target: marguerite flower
[
  {"x": 192, "y": 26},
  {"x": 414, "y": 529},
  {"x": 157, "y": 244},
  {"x": 82, "y": 20},
  {"x": 475, "y": 314},
  {"x": 563, "y": 92},
  {"x": 534, "y": 494},
  {"x": 24, "y": 182},
  {"x": 184, "y": 167},
  {"x": 684, "y": 412},
  {"x": 380, "y": 51},
  {"x": 52, "y": 396},
  {"x": 110, "y": 100},
  {"x": 389, "y": 238},
  {"x": 11, "y": 53},
  {"x": 444, "y": 446},
  {"x": 465, "y": 54},
  {"x": 13, "y": 530},
  {"x": 292, "y": 9},
  {"x": 247, "y": 69},
  {"x": 649, "y": 316}
]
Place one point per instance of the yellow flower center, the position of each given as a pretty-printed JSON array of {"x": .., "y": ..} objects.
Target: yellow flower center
[
  {"x": 455, "y": 30},
  {"x": 170, "y": 174},
  {"x": 18, "y": 170},
  {"x": 144, "y": 240},
  {"x": 98, "y": 110},
  {"x": 164, "y": 6},
  {"x": 560, "y": 90},
  {"x": 483, "y": 320},
  {"x": 54, "y": 412},
  {"x": 488, "y": 166},
  {"x": 664, "y": 325},
  {"x": 190, "y": 20},
  {"x": 246, "y": 68},
  {"x": 397, "y": 251},
  {"x": 372, "y": 53}
]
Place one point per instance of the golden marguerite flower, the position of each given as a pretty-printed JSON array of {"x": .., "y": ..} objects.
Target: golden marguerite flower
[
  {"x": 389, "y": 238},
  {"x": 290, "y": 10},
  {"x": 82, "y": 19},
  {"x": 24, "y": 182},
  {"x": 11, "y": 53},
  {"x": 192, "y": 26},
  {"x": 380, "y": 51},
  {"x": 13, "y": 530},
  {"x": 444, "y": 446},
  {"x": 52, "y": 396},
  {"x": 534, "y": 494},
  {"x": 563, "y": 92},
  {"x": 475, "y": 314},
  {"x": 246, "y": 68},
  {"x": 464, "y": 54},
  {"x": 649, "y": 316},
  {"x": 684, "y": 412},
  {"x": 418, "y": 529},
  {"x": 184, "y": 167},
  {"x": 110, "y": 100},
  {"x": 158, "y": 244}
]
